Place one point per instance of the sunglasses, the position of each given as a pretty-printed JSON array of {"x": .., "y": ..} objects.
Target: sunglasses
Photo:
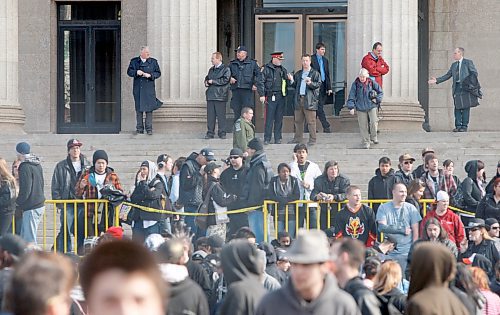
[
  {"x": 407, "y": 162},
  {"x": 495, "y": 227},
  {"x": 474, "y": 229},
  {"x": 234, "y": 157}
]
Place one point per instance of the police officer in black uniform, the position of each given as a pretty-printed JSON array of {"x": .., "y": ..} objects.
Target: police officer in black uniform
[
  {"x": 275, "y": 80},
  {"x": 245, "y": 79}
]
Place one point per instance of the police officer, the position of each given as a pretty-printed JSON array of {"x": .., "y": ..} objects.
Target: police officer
[
  {"x": 275, "y": 80},
  {"x": 245, "y": 78}
]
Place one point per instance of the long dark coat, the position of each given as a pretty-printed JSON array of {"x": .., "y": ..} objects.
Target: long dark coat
[{"x": 144, "y": 88}]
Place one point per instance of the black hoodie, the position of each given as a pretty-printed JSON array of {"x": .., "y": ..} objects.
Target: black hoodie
[
  {"x": 380, "y": 187},
  {"x": 258, "y": 177},
  {"x": 240, "y": 264},
  {"x": 31, "y": 195},
  {"x": 190, "y": 182},
  {"x": 489, "y": 188},
  {"x": 470, "y": 188}
]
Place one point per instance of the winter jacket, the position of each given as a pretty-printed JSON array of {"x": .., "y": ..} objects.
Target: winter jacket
[
  {"x": 396, "y": 298},
  {"x": 186, "y": 297},
  {"x": 486, "y": 248},
  {"x": 241, "y": 265},
  {"x": 217, "y": 195},
  {"x": 31, "y": 194},
  {"x": 243, "y": 132},
  {"x": 247, "y": 73},
  {"x": 200, "y": 276},
  {"x": 218, "y": 90},
  {"x": 419, "y": 171},
  {"x": 257, "y": 180},
  {"x": 359, "y": 95},
  {"x": 90, "y": 191},
  {"x": 148, "y": 193},
  {"x": 376, "y": 67},
  {"x": 380, "y": 187},
  {"x": 8, "y": 195},
  {"x": 364, "y": 297},
  {"x": 332, "y": 300},
  {"x": 311, "y": 100},
  {"x": 471, "y": 192},
  {"x": 232, "y": 182},
  {"x": 191, "y": 182},
  {"x": 273, "y": 194},
  {"x": 337, "y": 187},
  {"x": 272, "y": 83},
  {"x": 431, "y": 187},
  {"x": 65, "y": 177},
  {"x": 144, "y": 88},
  {"x": 488, "y": 208},
  {"x": 401, "y": 177}
]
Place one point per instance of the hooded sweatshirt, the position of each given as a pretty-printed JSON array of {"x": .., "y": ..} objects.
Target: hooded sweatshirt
[
  {"x": 472, "y": 193},
  {"x": 432, "y": 267},
  {"x": 380, "y": 186},
  {"x": 240, "y": 263},
  {"x": 31, "y": 195},
  {"x": 186, "y": 297},
  {"x": 148, "y": 193},
  {"x": 285, "y": 301}
]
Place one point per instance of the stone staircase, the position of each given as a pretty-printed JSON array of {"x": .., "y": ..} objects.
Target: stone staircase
[{"x": 127, "y": 151}]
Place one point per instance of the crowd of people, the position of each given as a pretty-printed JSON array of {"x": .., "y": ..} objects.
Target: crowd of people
[{"x": 392, "y": 256}]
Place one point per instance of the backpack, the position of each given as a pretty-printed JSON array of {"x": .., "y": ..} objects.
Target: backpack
[
  {"x": 386, "y": 306},
  {"x": 458, "y": 197}
]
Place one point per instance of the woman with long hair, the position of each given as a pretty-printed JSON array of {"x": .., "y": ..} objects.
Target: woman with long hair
[
  {"x": 492, "y": 301},
  {"x": 432, "y": 269},
  {"x": 415, "y": 192},
  {"x": 450, "y": 181},
  {"x": 432, "y": 232},
  {"x": 8, "y": 193},
  {"x": 386, "y": 284},
  {"x": 480, "y": 242},
  {"x": 489, "y": 207}
]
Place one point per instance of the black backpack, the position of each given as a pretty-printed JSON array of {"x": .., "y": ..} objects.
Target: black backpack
[{"x": 386, "y": 306}]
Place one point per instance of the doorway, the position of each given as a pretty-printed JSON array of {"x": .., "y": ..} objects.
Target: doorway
[
  {"x": 88, "y": 56},
  {"x": 296, "y": 34}
]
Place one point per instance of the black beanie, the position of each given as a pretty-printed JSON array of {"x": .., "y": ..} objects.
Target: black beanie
[
  {"x": 256, "y": 144},
  {"x": 98, "y": 155}
]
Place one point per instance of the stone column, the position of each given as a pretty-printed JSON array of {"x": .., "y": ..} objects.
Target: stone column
[
  {"x": 11, "y": 114},
  {"x": 394, "y": 23},
  {"x": 182, "y": 35}
]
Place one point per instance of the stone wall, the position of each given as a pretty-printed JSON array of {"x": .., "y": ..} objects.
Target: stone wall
[{"x": 473, "y": 25}]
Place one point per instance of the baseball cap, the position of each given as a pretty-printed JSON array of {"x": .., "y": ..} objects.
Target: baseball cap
[
  {"x": 73, "y": 143},
  {"x": 442, "y": 195},
  {"x": 236, "y": 152},
  {"x": 13, "y": 244},
  {"x": 406, "y": 157},
  {"x": 210, "y": 167},
  {"x": 208, "y": 154},
  {"x": 241, "y": 48}
]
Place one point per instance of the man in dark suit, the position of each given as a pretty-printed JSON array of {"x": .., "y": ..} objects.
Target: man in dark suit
[
  {"x": 145, "y": 70},
  {"x": 459, "y": 70},
  {"x": 320, "y": 64}
]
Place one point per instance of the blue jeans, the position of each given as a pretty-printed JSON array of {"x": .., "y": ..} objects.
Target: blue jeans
[
  {"x": 29, "y": 228},
  {"x": 313, "y": 218},
  {"x": 256, "y": 224},
  {"x": 70, "y": 228},
  {"x": 291, "y": 227},
  {"x": 462, "y": 117},
  {"x": 189, "y": 219}
]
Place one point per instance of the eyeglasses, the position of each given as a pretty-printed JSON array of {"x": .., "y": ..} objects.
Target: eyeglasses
[
  {"x": 407, "y": 162},
  {"x": 234, "y": 157}
]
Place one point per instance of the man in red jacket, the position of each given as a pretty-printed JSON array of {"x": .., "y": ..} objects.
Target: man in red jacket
[
  {"x": 375, "y": 64},
  {"x": 449, "y": 221}
]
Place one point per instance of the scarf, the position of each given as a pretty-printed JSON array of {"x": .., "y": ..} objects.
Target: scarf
[{"x": 449, "y": 185}]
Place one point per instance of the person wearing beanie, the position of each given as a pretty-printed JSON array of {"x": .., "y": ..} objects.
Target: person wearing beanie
[
  {"x": 31, "y": 197},
  {"x": 89, "y": 186},
  {"x": 66, "y": 173},
  {"x": 148, "y": 191},
  {"x": 256, "y": 185},
  {"x": 232, "y": 180}
]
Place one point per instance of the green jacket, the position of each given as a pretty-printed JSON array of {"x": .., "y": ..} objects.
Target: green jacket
[{"x": 243, "y": 132}]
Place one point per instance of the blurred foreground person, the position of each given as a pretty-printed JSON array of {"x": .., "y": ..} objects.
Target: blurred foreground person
[
  {"x": 311, "y": 289},
  {"x": 41, "y": 284},
  {"x": 433, "y": 267},
  {"x": 122, "y": 278},
  {"x": 242, "y": 268}
]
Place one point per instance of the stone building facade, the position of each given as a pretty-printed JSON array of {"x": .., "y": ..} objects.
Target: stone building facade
[{"x": 63, "y": 63}]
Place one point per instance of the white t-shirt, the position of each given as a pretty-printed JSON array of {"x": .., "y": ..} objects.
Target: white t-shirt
[
  {"x": 99, "y": 179},
  {"x": 77, "y": 166}
]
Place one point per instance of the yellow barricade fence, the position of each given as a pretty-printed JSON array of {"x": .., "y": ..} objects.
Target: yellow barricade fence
[{"x": 101, "y": 211}]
